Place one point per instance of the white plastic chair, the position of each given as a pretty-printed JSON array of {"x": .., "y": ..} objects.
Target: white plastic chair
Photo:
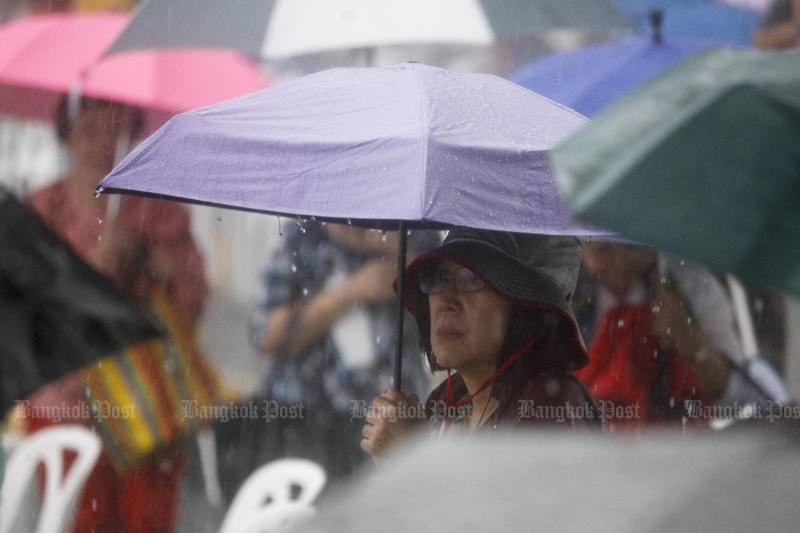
[
  {"x": 60, "y": 492},
  {"x": 265, "y": 502}
]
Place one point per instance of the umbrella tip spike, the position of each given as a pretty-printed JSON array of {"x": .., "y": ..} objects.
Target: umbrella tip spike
[{"x": 656, "y": 17}]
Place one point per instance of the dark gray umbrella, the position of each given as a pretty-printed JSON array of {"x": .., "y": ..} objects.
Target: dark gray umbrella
[
  {"x": 273, "y": 29},
  {"x": 714, "y": 482},
  {"x": 56, "y": 313}
]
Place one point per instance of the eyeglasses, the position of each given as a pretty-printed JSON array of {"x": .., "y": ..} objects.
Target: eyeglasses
[{"x": 435, "y": 281}]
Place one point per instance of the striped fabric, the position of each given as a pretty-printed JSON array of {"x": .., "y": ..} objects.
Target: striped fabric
[{"x": 138, "y": 396}]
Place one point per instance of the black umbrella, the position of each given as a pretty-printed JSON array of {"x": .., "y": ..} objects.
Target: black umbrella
[{"x": 56, "y": 312}]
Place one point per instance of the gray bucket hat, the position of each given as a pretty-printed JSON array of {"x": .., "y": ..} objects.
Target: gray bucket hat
[{"x": 530, "y": 270}]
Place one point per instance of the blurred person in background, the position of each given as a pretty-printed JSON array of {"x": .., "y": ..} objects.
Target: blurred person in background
[
  {"x": 141, "y": 244},
  {"x": 327, "y": 319},
  {"x": 662, "y": 333},
  {"x": 781, "y": 26}
]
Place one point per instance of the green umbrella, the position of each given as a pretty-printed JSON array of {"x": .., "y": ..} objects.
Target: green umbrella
[{"x": 703, "y": 161}]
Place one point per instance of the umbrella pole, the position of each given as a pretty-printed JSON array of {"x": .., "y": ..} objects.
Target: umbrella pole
[{"x": 401, "y": 271}]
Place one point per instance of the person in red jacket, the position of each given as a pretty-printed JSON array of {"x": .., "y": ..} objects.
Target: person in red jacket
[
  {"x": 494, "y": 310},
  {"x": 661, "y": 334}
]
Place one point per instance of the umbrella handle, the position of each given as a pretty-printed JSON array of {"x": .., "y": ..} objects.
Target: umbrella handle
[{"x": 401, "y": 270}]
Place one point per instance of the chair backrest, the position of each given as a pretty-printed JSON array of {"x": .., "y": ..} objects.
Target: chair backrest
[
  {"x": 60, "y": 491},
  {"x": 276, "y": 495}
]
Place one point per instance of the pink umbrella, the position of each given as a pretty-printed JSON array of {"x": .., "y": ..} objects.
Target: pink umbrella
[
  {"x": 43, "y": 57},
  {"x": 173, "y": 80}
]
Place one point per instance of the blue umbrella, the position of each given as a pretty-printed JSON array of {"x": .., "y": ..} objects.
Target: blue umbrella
[
  {"x": 695, "y": 19},
  {"x": 588, "y": 79}
]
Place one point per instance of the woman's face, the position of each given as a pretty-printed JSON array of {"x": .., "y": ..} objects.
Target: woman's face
[{"x": 467, "y": 328}]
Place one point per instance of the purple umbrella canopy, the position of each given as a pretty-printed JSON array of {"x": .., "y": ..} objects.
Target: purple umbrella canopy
[
  {"x": 404, "y": 146},
  {"x": 374, "y": 146}
]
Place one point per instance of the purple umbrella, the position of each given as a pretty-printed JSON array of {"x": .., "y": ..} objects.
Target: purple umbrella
[{"x": 406, "y": 146}]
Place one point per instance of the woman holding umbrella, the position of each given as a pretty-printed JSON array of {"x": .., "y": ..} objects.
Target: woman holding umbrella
[{"x": 493, "y": 307}]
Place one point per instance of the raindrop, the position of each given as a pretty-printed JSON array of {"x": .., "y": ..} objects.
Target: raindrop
[
  {"x": 383, "y": 235},
  {"x": 219, "y": 219},
  {"x": 280, "y": 229},
  {"x": 349, "y": 222},
  {"x": 656, "y": 309},
  {"x": 99, "y": 237},
  {"x": 378, "y": 339},
  {"x": 663, "y": 281},
  {"x": 294, "y": 267},
  {"x": 671, "y": 401},
  {"x": 669, "y": 331},
  {"x": 94, "y": 504},
  {"x": 589, "y": 240},
  {"x": 655, "y": 354},
  {"x": 620, "y": 323},
  {"x": 552, "y": 387},
  {"x": 305, "y": 291},
  {"x": 683, "y": 263},
  {"x": 99, "y": 220},
  {"x": 98, "y": 191},
  {"x": 689, "y": 321}
]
